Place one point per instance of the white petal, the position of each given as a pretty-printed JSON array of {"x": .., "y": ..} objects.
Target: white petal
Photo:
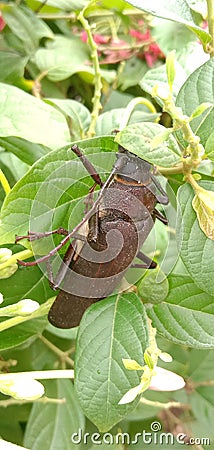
[
  {"x": 130, "y": 395},
  {"x": 165, "y": 380}
]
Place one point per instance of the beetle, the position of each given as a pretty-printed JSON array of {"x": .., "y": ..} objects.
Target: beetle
[{"x": 117, "y": 224}]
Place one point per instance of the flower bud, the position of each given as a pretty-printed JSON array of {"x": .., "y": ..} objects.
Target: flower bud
[
  {"x": 5, "y": 254},
  {"x": 7, "y": 272},
  {"x": 22, "y": 388},
  {"x": 26, "y": 306},
  {"x": 166, "y": 357},
  {"x": 22, "y": 308}
]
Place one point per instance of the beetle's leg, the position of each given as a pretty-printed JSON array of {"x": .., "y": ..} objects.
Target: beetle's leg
[
  {"x": 55, "y": 283},
  {"x": 163, "y": 199},
  {"x": 68, "y": 257},
  {"x": 50, "y": 273},
  {"x": 161, "y": 217},
  {"x": 89, "y": 198},
  {"x": 33, "y": 236},
  {"x": 149, "y": 263},
  {"x": 52, "y": 252},
  {"x": 87, "y": 164},
  {"x": 94, "y": 227}
]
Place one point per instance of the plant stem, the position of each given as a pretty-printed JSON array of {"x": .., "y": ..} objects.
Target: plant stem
[
  {"x": 45, "y": 400},
  {"x": 210, "y": 17},
  {"x": 36, "y": 89},
  {"x": 191, "y": 180},
  {"x": 39, "y": 375},
  {"x": 167, "y": 405},
  {"x": 170, "y": 170},
  {"x": 4, "y": 182},
  {"x": 203, "y": 383},
  {"x": 41, "y": 311},
  {"x": 130, "y": 107},
  {"x": 62, "y": 355},
  {"x": 57, "y": 16},
  {"x": 97, "y": 77}
]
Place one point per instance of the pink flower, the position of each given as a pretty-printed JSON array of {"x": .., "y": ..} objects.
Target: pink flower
[
  {"x": 98, "y": 38},
  {"x": 152, "y": 54},
  {"x": 84, "y": 36},
  {"x": 2, "y": 23},
  {"x": 140, "y": 36}
]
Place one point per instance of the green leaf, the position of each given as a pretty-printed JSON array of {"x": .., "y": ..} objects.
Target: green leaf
[
  {"x": 202, "y": 404},
  {"x": 153, "y": 288},
  {"x": 110, "y": 120},
  {"x": 209, "y": 147},
  {"x": 196, "y": 250},
  {"x": 80, "y": 116},
  {"x": 189, "y": 53},
  {"x": 25, "y": 25},
  {"x": 45, "y": 197},
  {"x": 63, "y": 57},
  {"x": 200, "y": 109},
  {"x": 158, "y": 76},
  {"x": 160, "y": 138},
  {"x": 175, "y": 10},
  {"x": 201, "y": 365},
  {"x": 26, "y": 151},
  {"x": 55, "y": 424},
  {"x": 137, "y": 138},
  {"x": 184, "y": 327},
  {"x": 12, "y": 337},
  {"x": 184, "y": 292},
  {"x": 109, "y": 446},
  {"x": 134, "y": 70},
  {"x": 27, "y": 282},
  {"x": 109, "y": 331},
  {"x": 12, "y": 65},
  {"x": 187, "y": 314},
  {"x": 12, "y": 167},
  {"x": 198, "y": 87},
  {"x": 24, "y": 116}
]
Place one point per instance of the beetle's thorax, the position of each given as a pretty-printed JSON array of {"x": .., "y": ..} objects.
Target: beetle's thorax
[{"x": 132, "y": 170}]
